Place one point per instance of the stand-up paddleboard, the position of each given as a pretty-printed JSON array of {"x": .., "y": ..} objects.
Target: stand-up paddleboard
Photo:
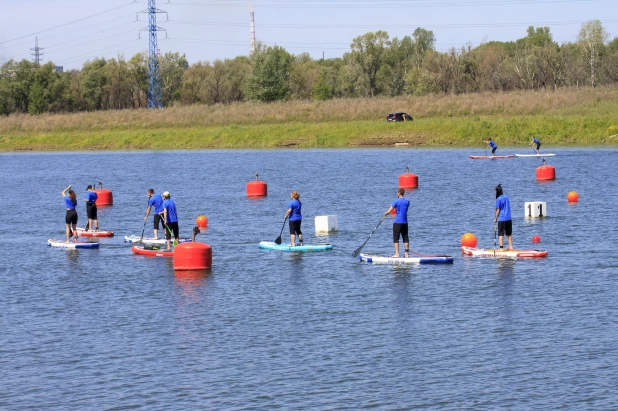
[
  {"x": 151, "y": 252},
  {"x": 62, "y": 244},
  {"x": 443, "y": 259},
  {"x": 83, "y": 233},
  {"x": 498, "y": 253},
  {"x": 534, "y": 155},
  {"x": 489, "y": 157},
  {"x": 286, "y": 247},
  {"x": 150, "y": 241}
]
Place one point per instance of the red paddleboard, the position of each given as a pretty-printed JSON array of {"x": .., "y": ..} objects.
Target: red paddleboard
[
  {"x": 82, "y": 233},
  {"x": 489, "y": 157},
  {"x": 159, "y": 252}
]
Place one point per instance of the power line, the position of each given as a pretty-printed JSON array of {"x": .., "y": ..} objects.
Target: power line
[
  {"x": 93, "y": 52},
  {"x": 391, "y": 3}
]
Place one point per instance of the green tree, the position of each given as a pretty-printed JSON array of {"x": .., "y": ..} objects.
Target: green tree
[
  {"x": 368, "y": 52},
  {"x": 37, "y": 97},
  {"x": 172, "y": 66},
  {"x": 322, "y": 90},
  {"x": 270, "y": 74},
  {"x": 592, "y": 37}
]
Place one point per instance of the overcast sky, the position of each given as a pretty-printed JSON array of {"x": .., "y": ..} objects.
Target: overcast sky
[{"x": 73, "y": 31}]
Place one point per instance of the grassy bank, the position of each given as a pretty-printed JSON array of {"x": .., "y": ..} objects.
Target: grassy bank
[{"x": 559, "y": 118}]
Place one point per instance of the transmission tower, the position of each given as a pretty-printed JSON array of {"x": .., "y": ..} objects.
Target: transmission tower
[
  {"x": 37, "y": 52},
  {"x": 154, "y": 71}
]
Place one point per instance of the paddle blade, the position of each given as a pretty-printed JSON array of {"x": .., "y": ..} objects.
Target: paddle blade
[
  {"x": 278, "y": 240},
  {"x": 357, "y": 252}
]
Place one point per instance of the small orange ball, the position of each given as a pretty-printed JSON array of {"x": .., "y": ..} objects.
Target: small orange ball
[
  {"x": 573, "y": 197},
  {"x": 201, "y": 221},
  {"x": 468, "y": 240},
  {"x": 536, "y": 239}
]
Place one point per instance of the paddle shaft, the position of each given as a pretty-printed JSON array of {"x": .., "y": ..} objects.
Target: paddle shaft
[
  {"x": 358, "y": 250},
  {"x": 278, "y": 240}
]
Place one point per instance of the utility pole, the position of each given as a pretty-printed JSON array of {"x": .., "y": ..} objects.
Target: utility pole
[
  {"x": 37, "y": 52},
  {"x": 252, "y": 30},
  {"x": 154, "y": 70}
]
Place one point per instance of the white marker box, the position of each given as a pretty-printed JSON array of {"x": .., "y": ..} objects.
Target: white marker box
[
  {"x": 326, "y": 223},
  {"x": 535, "y": 209}
]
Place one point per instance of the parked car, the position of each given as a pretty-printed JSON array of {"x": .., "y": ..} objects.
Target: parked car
[{"x": 398, "y": 116}]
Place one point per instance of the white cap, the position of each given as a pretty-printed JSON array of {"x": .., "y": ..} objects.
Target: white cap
[{"x": 166, "y": 194}]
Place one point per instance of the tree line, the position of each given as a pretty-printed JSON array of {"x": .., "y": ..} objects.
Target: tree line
[{"x": 376, "y": 65}]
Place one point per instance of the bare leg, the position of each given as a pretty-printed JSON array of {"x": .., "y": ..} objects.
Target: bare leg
[
  {"x": 396, "y": 249},
  {"x": 510, "y": 242},
  {"x": 96, "y": 223},
  {"x": 167, "y": 245},
  {"x": 292, "y": 240},
  {"x": 406, "y": 248},
  {"x": 300, "y": 238},
  {"x": 501, "y": 240},
  {"x": 68, "y": 232},
  {"x": 156, "y": 234},
  {"x": 75, "y": 232},
  {"x": 90, "y": 226}
]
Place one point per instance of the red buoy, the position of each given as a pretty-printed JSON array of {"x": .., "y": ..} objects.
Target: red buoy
[
  {"x": 536, "y": 239},
  {"x": 201, "y": 222},
  {"x": 104, "y": 196},
  {"x": 257, "y": 188},
  {"x": 573, "y": 197},
  {"x": 545, "y": 172},
  {"x": 468, "y": 240},
  {"x": 408, "y": 180},
  {"x": 192, "y": 256}
]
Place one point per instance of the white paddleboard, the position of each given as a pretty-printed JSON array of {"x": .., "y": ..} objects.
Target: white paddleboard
[
  {"x": 534, "y": 155},
  {"x": 62, "y": 244}
]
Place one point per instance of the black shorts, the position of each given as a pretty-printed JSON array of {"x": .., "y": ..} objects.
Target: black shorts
[
  {"x": 494, "y": 150},
  {"x": 295, "y": 227},
  {"x": 538, "y": 145},
  {"x": 174, "y": 228},
  {"x": 91, "y": 211},
  {"x": 505, "y": 226},
  {"x": 158, "y": 219},
  {"x": 400, "y": 230},
  {"x": 71, "y": 217}
]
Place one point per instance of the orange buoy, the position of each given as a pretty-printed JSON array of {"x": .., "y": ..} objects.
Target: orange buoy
[
  {"x": 201, "y": 222},
  {"x": 257, "y": 188},
  {"x": 104, "y": 196},
  {"x": 545, "y": 172},
  {"x": 573, "y": 197},
  {"x": 468, "y": 240},
  {"x": 536, "y": 239},
  {"x": 408, "y": 180},
  {"x": 192, "y": 256}
]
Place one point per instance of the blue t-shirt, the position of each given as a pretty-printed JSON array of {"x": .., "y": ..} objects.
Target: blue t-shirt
[
  {"x": 401, "y": 205},
  {"x": 295, "y": 206},
  {"x": 502, "y": 203},
  {"x": 170, "y": 206},
  {"x": 156, "y": 202},
  {"x": 492, "y": 144},
  {"x": 69, "y": 203},
  {"x": 91, "y": 196},
  {"x": 536, "y": 140}
]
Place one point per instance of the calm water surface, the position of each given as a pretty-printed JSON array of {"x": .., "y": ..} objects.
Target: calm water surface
[{"x": 105, "y": 329}]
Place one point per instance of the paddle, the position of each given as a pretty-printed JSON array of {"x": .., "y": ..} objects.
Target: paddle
[
  {"x": 143, "y": 228},
  {"x": 278, "y": 240},
  {"x": 495, "y": 234},
  {"x": 358, "y": 250},
  {"x": 171, "y": 234}
]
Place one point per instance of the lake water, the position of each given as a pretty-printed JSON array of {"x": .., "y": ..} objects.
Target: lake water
[{"x": 105, "y": 329}]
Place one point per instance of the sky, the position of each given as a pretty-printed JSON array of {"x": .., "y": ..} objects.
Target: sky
[{"x": 71, "y": 32}]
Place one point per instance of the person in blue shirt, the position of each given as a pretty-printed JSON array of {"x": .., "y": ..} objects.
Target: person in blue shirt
[
  {"x": 155, "y": 202},
  {"x": 295, "y": 218},
  {"x": 493, "y": 146},
  {"x": 400, "y": 225},
  {"x": 70, "y": 219},
  {"x": 170, "y": 219},
  {"x": 537, "y": 142},
  {"x": 91, "y": 209},
  {"x": 503, "y": 217}
]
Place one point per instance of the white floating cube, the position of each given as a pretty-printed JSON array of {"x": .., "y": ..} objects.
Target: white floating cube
[
  {"x": 326, "y": 223},
  {"x": 535, "y": 209}
]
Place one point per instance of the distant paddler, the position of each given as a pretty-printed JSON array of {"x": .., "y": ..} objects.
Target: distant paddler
[
  {"x": 70, "y": 201},
  {"x": 170, "y": 220},
  {"x": 535, "y": 141},
  {"x": 493, "y": 146},
  {"x": 400, "y": 225},
  {"x": 155, "y": 203},
  {"x": 91, "y": 209}
]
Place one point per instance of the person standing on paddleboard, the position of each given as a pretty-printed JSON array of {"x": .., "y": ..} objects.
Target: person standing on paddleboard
[
  {"x": 503, "y": 217},
  {"x": 295, "y": 218},
  {"x": 400, "y": 225},
  {"x": 537, "y": 142},
  {"x": 170, "y": 219},
  {"x": 493, "y": 146},
  {"x": 70, "y": 201},
  {"x": 154, "y": 201},
  {"x": 91, "y": 208}
]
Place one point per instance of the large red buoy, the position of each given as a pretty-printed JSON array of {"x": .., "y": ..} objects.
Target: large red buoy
[
  {"x": 201, "y": 221},
  {"x": 257, "y": 188},
  {"x": 545, "y": 172},
  {"x": 192, "y": 256},
  {"x": 468, "y": 240},
  {"x": 573, "y": 197},
  {"x": 104, "y": 196},
  {"x": 408, "y": 180}
]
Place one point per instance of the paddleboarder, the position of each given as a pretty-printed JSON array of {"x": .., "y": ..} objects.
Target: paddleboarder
[
  {"x": 493, "y": 146},
  {"x": 91, "y": 208},
  {"x": 503, "y": 217},
  {"x": 400, "y": 225},
  {"x": 537, "y": 142},
  {"x": 295, "y": 218},
  {"x": 155, "y": 201},
  {"x": 70, "y": 201},
  {"x": 170, "y": 220}
]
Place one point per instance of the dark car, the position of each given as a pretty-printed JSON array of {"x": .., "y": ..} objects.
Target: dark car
[{"x": 399, "y": 116}]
